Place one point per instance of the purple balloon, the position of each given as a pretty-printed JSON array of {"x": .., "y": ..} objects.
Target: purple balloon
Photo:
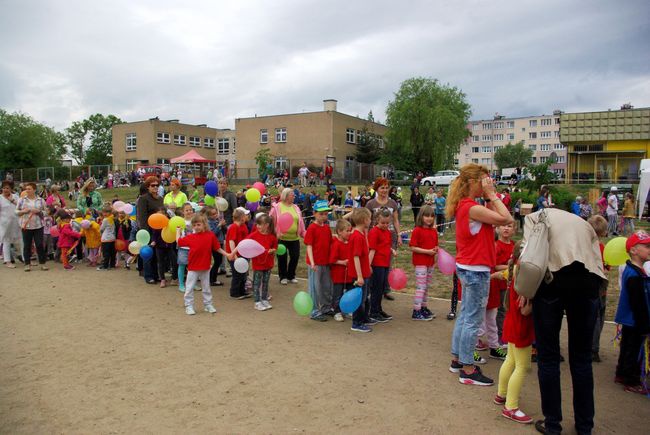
[{"x": 252, "y": 206}]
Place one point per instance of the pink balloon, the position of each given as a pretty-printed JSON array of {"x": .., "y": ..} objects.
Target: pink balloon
[
  {"x": 85, "y": 224},
  {"x": 397, "y": 279},
  {"x": 118, "y": 205},
  {"x": 285, "y": 220},
  {"x": 128, "y": 208},
  {"x": 260, "y": 186},
  {"x": 54, "y": 231},
  {"x": 446, "y": 262},
  {"x": 250, "y": 248}
]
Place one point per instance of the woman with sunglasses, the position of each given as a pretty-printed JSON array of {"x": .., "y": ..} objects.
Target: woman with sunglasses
[{"x": 148, "y": 204}]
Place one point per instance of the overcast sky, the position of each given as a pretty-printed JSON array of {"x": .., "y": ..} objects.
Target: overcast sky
[{"x": 213, "y": 61}]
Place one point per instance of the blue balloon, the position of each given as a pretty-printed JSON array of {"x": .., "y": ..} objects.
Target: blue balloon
[
  {"x": 211, "y": 188},
  {"x": 349, "y": 302},
  {"x": 146, "y": 252}
]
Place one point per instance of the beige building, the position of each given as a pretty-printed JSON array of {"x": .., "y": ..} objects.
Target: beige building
[
  {"x": 312, "y": 137},
  {"x": 540, "y": 133},
  {"x": 156, "y": 142}
]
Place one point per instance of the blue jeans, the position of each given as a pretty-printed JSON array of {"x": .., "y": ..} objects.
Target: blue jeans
[{"x": 476, "y": 286}]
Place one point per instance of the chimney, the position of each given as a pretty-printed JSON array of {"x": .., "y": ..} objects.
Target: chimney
[{"x": 329, "y": 105}]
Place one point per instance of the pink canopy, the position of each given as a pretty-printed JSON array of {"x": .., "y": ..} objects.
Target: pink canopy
[{"x": 192, "y": 157}]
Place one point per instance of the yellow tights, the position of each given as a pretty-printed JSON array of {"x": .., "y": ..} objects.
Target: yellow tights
[{"x": 512, "y": 374}]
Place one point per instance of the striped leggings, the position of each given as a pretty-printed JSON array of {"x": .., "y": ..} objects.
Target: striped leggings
[{"x": 423, "y": 279}]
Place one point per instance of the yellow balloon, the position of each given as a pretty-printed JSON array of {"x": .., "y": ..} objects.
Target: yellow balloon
[
  {"x": 615, "y": 253},
  {"x": 168, "y": 235},
  {"x": 504, "y": 272}
]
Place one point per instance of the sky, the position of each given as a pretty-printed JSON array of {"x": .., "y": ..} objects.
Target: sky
[{"x": 214, "y": 61}]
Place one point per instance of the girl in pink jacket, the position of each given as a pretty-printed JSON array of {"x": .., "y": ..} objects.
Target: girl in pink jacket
[{"x": 67, "y": 238}]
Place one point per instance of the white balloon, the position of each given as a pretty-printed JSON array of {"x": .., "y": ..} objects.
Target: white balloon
[
  {"x": 646, "y": 267},
  {"x": 241, "y": 265},
  {"x": 222, "y": 204}
]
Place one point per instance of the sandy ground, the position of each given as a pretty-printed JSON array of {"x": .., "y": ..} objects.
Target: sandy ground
[{"x": 106, "y": 353}]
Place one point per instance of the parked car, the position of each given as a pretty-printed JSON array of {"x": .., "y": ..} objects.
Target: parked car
[
  {"x": 403, "y": 175},
  {"x": 441, "y": 178}
]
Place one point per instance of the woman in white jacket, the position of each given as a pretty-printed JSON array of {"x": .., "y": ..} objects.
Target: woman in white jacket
[{"x": 9, "y": 227}]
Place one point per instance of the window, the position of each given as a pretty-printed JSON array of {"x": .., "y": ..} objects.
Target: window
[
  {"x": 162, "y": 161},
  {"x": 486, "y": 149},
  {"x": 532, "y": 123},
  {"x": 498, "y": 137},
  {"x": 497, "y": 147},
  {"x": 130, "y": 142},
  {"x": 195, "y": 141},
  {"x": 559, "y": 173},
  {"x": 511, "y": 136},
  {"x": 264, "y": 136},
  {"x": 281, "y": 162},
  {"x": 475, "y": 139},
  {"x": 208, "y": 142},
  {"x": 234, "y": 145},
  {"x": 280, "y": 135},
  {"x": 380, "y": 142},
  {"x": 545, "y": 135},
  {"x": 475, "y": 161},
  {"x": 556, "y": 133},
  {"x": 349, "y": 135},
  {"x": 486, "y": 137},
  {"x": 532, "y": 135},
  {"x": 224, "y": 145},
  {"x": 543, "y": 159},
  {"x": 487, "y": 126},
  {"x": 179, "y": 139},
  {"x": 475, "y": 149},
  {"x": 456, "y": 162},
  {"x": 486, "y": 161},
  {"x": 557, "y": 121},
  {"x": 498, "y": 125},
  {"x": 546, "y": 121},
  {"x": 532, "y": 147},
  {"x": 545, "y": 147},
  {"x": 561, "y": 159},
  {"x": 131, "y": 164},
  {"x": 510, "y": 124},
  {"x": 162, "y": 137},
  {"x": 476, "y": 126},
  {"x": 533, "y": 160},
  {"x": 558, "y": 146}
]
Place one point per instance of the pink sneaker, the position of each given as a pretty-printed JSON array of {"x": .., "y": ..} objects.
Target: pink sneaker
[
  {"x": 516, "y": 415},
  {"x": 499, "y": 400},
  {"x": 481, "y": 346},
  {"x": 69, "y": 267}
]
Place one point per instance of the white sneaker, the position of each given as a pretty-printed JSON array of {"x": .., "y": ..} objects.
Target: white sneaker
[
  {"x": 267, "y": 305},
  {"x": 210, "y": 309},
  {"x": 284, "y": 281},
  {"x": 339, "y": 317},
  {"x": 259, "y": 306},
  {"x": 189, "y": 310},
  {"x": 294, "y": 281}
]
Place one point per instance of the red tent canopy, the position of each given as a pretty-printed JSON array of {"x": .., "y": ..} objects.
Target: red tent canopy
[{"x": 192, "y": 157}]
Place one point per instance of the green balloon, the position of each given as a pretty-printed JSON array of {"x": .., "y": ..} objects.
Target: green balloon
[
  {"x": 302, "y": 303},
  {"x": 176, "y": 222},
  {"x": 143, "y": 237},
  {"x": 281, "y": 249},
  {"x": 209, "y": 200}
]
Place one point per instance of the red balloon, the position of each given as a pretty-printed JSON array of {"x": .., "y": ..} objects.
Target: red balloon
[
  {"x": 397, "y": 279},
  {"x": 260, "y": 186}
]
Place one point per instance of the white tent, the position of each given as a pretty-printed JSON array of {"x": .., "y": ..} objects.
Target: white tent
[{"x": 644, "y": 187}]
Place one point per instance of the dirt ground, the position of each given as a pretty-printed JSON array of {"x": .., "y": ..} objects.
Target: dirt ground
[{"x": 102, "y": 352}]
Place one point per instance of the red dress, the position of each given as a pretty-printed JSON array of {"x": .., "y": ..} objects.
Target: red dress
[{"x": 517, "y": 328}]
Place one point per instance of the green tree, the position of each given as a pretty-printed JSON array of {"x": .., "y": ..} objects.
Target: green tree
[
  {"x": 513, "y": 156},
  {"x": 540, "y": 175},
  {"x": 25, "y": 143},
  {"x": 90, "y": 140},
  {"x": 428, "y": 121},
  {"x": 367, "y": 142},
  {"x": 263, "y": 158}
]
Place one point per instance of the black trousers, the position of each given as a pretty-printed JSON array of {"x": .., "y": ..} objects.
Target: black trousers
[
  {"x": 216, "y": 264},
  {"x": 378, "y": 283},
  {"x": 167, "y": 261},
  {"x": 629, "y": 367},
  {"x": 287, "y": 269},
  {"x": 238, "y": 282},
  {"x": 36, "y": 237},
  {"x": 108, "y": 254},
  {"x": 337, "y": 292}
]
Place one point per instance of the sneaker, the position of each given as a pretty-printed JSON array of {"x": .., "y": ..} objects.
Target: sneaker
[
  {"x": 210, "y": 309},
  {"x": 619, "y": 380},
  {"x": 44, "y": 267},
  {"x": 386, "y": 315},
  {"x": 389, "y": 297},
  {"x": 478, "y": 359},
  {"x": 319, "y": 318},
  {"x": 419, "y": 315},
  {"x": 163, "y": 283},
  {"x": 378, "y": 318},
  {"x": 428, "y": 313},
  {"x": 181, "y": 288},
  {"x": 639, "y": 389},
  {"x": 267, "y": 305},
  {"x": 284, "y": 281},
  {"x": 293, "y": 281},
  {"x": 516, "y": 415},
  {"x": 360, "y": 327},
  {"x": 239, "y": 298},
  {"x": 68, "y": 267},
  {"x": 28, "y": 268},
  {"x": 370, "y": 321},
  {"x": 228, "y": 275},
  {"x": 475, "y": 378},
  {"x": 499, "y": 400},
  {"x": 595, "y": 357},
  {"x": 451, "y": 315},
  {"x": 481, "y": 346},
  {"x": 498, "y": 353},
  {"x": 189, "y": 310},
  {"x": 259, "y": 306},
  {"x": 455, "y": 366},
  {"x": 339, "y": 317},
  {"x": 104, "y": 268},
  {"x": 10, "y": 265}
]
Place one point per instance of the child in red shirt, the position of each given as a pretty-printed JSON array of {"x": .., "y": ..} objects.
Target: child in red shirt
[
  {"x": 340, "y": 261},
  {"x": 201, "y": 243},
  {"x": 318, "y": 239},
  {"x": 380, "y": 243},
  {"x": 237, "y": 231},
  {"x": 68, "y": 238},
  {"x": 424, "y": 245},
  {"x": 360, "y": 218}
]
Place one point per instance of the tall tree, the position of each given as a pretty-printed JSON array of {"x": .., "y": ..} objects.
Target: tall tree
[
  {"x": 513, "y": 156},
  {"x": 263, "y": 158},
  {"x": 428, "y": 121},
  {"x": 25, "y": 143},
  {"x": 90, "y": 140},
  {"x": 367, "y": 142}
]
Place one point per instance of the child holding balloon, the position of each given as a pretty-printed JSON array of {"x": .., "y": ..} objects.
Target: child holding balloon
[
  {"x": 340, "y": 259},
  {"x": 165, "y": 255},
  {"x": 424, "y": 245},
  {"x": 123, "y": 234},
  {"x": 237, "y": 231},
  {"x": 182, "y": 258},
  {"x": 108, "y": 235},
  {"x": 67, "y": 237},
  {"x": 358, "y": 243},
  {"x": 380, "y": 243}
]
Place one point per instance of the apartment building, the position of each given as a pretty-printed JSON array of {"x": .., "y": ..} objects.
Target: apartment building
[
  {"x": 540, "y": 133},
  {"x": 155, "y": 141}
]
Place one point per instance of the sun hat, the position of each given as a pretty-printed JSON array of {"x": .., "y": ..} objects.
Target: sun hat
[{"x": 322, "y": 205}]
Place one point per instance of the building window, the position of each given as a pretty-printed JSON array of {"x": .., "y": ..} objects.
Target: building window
[
  {"x": 545, "y": 135},
  {"x": 532, "y": 147},
  {"x": 281, "y": 162},
  {"x": 532, "y": 123},
  {"x": 533, "y": 160},
  {"x": 497, "y": 147},
  {"x": 498, "y": 125},
  {"x": 234, "y": 145},
  {"x": 224, "y": 146},
  {"x": 511, "y": 136},
  {"x": 380, "y": 142},
  {"x": 485, "y": 161},
  {"x": 130, "y": 142},
  {"x": 487, "y": 126},
  {"x": 532, "y": 135},
  {"x": 475, "y": 139},
  {"x": 179, "y": 139},
  {"x": 545, "y": 147},
  {"x": 264, "y": 136},
  {"x": 162, "y": 137},
  {"x": 475, "y": 149},
  {"x": 476, "y": 126},
  {"x": 195, "y": 141},
  {"x": 558, "y": 146},
  {"x": 475, "y": 161},
  {"x": 557, "y": 121},
  {"x": 561, "y": 159},
  {"x": 546, "y": 121},
  {"x": 132, "y": 164},
  {"x": 543, "y": 159},
  {"x": 486, "y": 137},
  {"x": 208, "y": 142},
  {"x": 510, "y": 124},
  {"x": 162, "y": 161},
  {"x": 498, "y": 137},
  {"x": 280, "y": 135},
  {"x": 486, "y": 149}
]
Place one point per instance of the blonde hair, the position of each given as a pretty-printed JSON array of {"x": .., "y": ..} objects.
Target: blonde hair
[
  {"x": 341, "y": 225},
  {"x": 198, "y": 217},
  {"x": 263, "y": 218},
  {"x": 459, "y": 188},
  {"x": 237, "y": 214},
  {"x": 358, "y": 215},
  {"x": 285, "y": 192},
  {"x": 599, "y": 224}
]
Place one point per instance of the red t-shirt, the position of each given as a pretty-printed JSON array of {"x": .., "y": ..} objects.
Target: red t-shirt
[
  {"x": 473, "y": 249},
  {"x": 201, "y": 246},
  {"x": 359, "y": 248},
  {"x": 517, "y": 328},
  {"x": 237, "y": 233},
  {"x": 320, "y": 238},
  {"x": 264, "y": 261},
  {"x": 425, "y": 238},
  {"x": 382, "y": 242},
  {"x": 341, "y": 251},
  {"x": 503, "y": 254}
]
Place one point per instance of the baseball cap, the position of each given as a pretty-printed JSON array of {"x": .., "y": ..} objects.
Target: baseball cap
[
  {"x": 321, "y": 205},
  {"x": 614, "y": 189},
  {"x": 640, "y": 237},
  {"x": 243, "y": 210}
]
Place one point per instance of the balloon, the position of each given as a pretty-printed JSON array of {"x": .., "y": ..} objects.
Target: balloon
[
  {"x": 260, "y": 186},
  {"x": 222, "y": 204},
  {"x": 351, "y": 300},
  {"x": 168, "y": 235},
  {"x": 54, "y": 231},
  {"x": 646, "y": 267},
  {"x": 211, "y": 188},
  {"x": 157, "y": 221},
  {"x": 146, "y": 252},
  {"x": 176, "y": 222},
  {"x": 281, "y": 249},
  {"x": 241, "y": 265},
  {"x": 253, "y": 195},
  {"x": 120, "y": 245},
  {"x": 252, "y": 206},
  {"x": 134, "y": 248},
  {"x": 285, "y": 220},
  {"x": 615, "y": 253},
  {"x": 75, "y": 226},
  {"x": 446, "y": 262},
  {"x": 209, "y": 200},
  {"x": 119, "y": 205},
  {"x": 133, "y": 212},
  {"x": 143, "y": 237},
  {"x": 250, "y": 248},
  {"x": 128, "y": 208},
  {"x": 397, "y": 279},
  {"x": 85, "y": 224},
  {"x": 303, "y": 303}
]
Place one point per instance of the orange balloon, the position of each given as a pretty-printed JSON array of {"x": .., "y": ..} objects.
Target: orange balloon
[
  {"x": 157, "y": 221},
  {"x": 120, "y": 245}
]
